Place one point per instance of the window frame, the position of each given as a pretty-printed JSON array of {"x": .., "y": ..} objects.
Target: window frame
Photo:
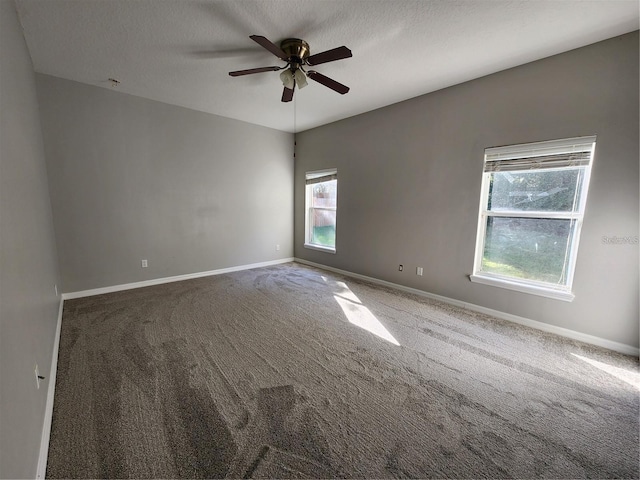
[
  {"x": 535, "y": 287},
  {"x": 308, "y": 193}
]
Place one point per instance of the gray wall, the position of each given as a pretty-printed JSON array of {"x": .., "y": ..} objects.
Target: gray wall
[
  {"x": 135, "y": 179},
  {"x": 409, "y": 180},
  {"x": 28, "y": 264}
]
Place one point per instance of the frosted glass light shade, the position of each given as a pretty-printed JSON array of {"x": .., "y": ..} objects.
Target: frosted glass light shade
[
  {"x": 287, "y": 79},
  {"x": 301, "y": 79}
]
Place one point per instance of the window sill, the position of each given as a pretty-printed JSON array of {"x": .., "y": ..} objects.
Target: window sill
[
  {"x": 523, "y": 287},
  {"x": 320, "y": 248}
]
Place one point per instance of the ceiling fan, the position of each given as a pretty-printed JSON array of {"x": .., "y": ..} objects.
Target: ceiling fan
[{"x": 297, "y": 54}]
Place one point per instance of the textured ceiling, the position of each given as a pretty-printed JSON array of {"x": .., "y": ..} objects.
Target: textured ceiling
[{"x": 180, "y": 51}]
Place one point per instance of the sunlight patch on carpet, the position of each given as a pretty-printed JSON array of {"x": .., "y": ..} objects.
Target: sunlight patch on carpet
[
  {"x": 359, "y": 315},
  {"x": 632, "y": 378}
]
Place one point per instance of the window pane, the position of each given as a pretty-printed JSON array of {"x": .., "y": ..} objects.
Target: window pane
[
  {"x": 528, "y": 248},
  {"x": 550, "y": 190},
  {"x": 325, "y": 194},
  {"x": 323, "y": 227}
]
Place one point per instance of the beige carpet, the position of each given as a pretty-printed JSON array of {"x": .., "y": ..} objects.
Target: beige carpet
[{"x": 275, "y": 373}]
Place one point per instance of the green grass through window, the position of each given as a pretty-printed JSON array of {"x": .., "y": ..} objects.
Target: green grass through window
[
  {"x": 527, "y": 256},
  {"x": 325, "y": 236}
]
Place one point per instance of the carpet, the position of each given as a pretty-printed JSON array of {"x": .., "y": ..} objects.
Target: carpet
[{"x": 294, "y": 372}]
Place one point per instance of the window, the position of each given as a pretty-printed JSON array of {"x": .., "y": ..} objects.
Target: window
[
  {"x": 531, "y": 209},
  {"x": 321, "y": 197}
]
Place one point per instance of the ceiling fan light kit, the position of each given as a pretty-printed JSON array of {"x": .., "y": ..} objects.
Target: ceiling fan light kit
[
  {"x": 287, "y": 79},
  {"x": 300, "y": 78},
  {"x": 297, "y": 54}
]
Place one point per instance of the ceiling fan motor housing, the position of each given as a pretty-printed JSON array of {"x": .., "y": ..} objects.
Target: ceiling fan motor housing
[{"x": 296, "y": 49}]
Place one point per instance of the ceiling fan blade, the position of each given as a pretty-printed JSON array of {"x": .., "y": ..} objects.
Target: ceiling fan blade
[
  {"x": 329, "y": 56},
  {"x": 239, "y": 73},
  {"x": 273, "y": 48},
  {"x": 287, "y": 94},
  {"x": 327, "y": 82}
]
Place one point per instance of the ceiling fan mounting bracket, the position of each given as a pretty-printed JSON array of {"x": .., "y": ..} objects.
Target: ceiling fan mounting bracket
[{"x": 296, "y": 49}]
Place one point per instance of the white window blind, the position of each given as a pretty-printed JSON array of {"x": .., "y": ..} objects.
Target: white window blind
[
  {"x": 570, "y": 152},
  {"x": 323, "y": 177}
]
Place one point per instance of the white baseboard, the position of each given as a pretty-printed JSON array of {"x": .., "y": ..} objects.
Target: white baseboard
[
  {"x": 177, "y": 278},
  {"x": 561, "y": 331},
  {"x": 48, "y": 412}
]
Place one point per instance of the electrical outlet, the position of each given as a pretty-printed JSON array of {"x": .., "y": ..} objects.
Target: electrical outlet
[
  {"x": 144, "y": 264},
  {"x": 400, "y": 268},
  {"x": 419, "y": 271},
  {"x": 277, "y": 247}
]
